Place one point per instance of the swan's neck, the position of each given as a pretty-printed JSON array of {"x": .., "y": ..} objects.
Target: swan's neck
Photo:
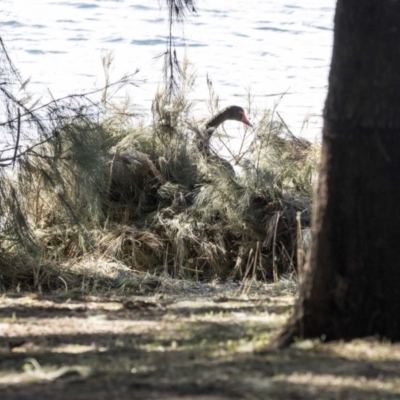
[{"x": 217, "y": 119}]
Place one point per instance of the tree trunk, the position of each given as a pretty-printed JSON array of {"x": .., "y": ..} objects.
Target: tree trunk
[{"x": 351, "y": 286}]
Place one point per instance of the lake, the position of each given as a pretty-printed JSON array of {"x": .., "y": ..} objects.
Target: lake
[{"x": 267, "y": 47}]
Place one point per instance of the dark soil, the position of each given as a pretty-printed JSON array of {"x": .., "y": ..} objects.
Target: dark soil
[{"x": 209, "y": 346}]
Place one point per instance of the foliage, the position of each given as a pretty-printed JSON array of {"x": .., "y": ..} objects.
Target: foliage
[{"x": 177, "y": 11}]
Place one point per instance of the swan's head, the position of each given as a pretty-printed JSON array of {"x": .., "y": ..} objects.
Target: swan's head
[
  {"x": 237, "y": 113},
  {"x": 234, "y": 113}
]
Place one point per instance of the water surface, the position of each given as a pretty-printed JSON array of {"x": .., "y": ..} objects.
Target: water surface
[{"x": 269, "y": 47}]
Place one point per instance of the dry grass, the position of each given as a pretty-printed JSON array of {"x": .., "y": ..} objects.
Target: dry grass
[{"x": 148, "y": 199}]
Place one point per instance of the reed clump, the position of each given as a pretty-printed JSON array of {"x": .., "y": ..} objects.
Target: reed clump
[{"x": 105, "y": 201}]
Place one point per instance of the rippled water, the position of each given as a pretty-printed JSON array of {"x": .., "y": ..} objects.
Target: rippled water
[{"x": 267, "y": 46}]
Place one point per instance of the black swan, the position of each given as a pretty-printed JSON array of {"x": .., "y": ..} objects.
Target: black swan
[{"x": 234, "y": 113}]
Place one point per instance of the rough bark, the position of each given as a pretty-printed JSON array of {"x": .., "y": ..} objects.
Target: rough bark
[{"x": 351, "y": 286}]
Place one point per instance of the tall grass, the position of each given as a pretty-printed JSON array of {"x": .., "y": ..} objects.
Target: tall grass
[{"x": 103, "y": 195}]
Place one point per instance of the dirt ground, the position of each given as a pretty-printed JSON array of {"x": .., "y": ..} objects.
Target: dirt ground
[{"x": 210, "y": 344}]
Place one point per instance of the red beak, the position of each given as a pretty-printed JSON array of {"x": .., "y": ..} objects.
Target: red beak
[{"x": 245, "y": 120}]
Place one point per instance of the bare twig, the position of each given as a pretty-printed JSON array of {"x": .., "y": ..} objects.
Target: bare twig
[
  {"x": 18, "y": 136},
  {"x": 274, "y": 265}
]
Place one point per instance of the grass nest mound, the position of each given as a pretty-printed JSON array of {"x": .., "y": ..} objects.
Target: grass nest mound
[{"x": 155, "y": 203}]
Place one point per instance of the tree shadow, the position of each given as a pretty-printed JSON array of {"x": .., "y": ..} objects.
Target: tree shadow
[
  {"x": 155, "y": 350},
  {"x": 133, "y": 308}
]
